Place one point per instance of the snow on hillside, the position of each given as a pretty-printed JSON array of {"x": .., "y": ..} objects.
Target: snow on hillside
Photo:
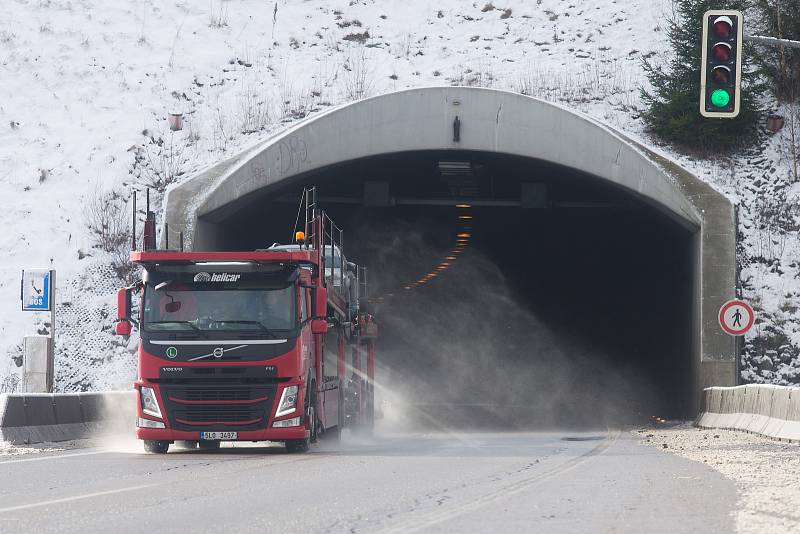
[{"x": 87, "y": 85}]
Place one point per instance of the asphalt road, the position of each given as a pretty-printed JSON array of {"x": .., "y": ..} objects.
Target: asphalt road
[{"x": 482, "y": 482}]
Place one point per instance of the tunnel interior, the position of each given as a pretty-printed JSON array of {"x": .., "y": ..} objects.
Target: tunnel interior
[{"x": 506, "y": 289}]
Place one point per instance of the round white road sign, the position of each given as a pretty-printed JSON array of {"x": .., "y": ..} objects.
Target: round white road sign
[{"x": 736, "y": 317}]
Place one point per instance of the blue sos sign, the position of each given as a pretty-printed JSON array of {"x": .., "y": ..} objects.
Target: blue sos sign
[{"x": 36, "y": 289}]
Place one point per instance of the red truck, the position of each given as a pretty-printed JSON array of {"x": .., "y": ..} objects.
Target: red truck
[{"x": 268, "y": 345}]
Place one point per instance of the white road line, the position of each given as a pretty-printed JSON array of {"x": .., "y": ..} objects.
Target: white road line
[
  {"x": 53, "y": 457},
  {"x": 75, "y": 498},
  {"x": 416, "y": 522}
]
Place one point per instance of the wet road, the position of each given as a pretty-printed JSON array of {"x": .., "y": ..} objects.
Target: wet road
[{"x": 481, "y": 482}]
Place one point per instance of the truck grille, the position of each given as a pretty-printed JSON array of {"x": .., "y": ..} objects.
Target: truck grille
[
  {"x": 207, "y": 394},
  {"x": 218, "y": 406},
  {"x": 203, "y": 415}
]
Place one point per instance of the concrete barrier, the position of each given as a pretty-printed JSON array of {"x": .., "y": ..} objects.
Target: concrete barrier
[
  {"x": 791, "y": 426},
  {"x": 768, "y": 410},
  {"x": 36, "y": 418}
]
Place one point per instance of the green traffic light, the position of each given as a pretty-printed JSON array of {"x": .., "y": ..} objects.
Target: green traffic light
[{"x": 720, "y": 98}]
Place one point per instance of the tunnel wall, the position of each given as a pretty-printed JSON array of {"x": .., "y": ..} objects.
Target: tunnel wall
[{"x": 490, "y": 121}]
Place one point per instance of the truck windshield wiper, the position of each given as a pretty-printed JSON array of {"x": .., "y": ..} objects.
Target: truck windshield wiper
[
  {"x": 259, "y": 324},
  {"x": 187, "y": 323}
]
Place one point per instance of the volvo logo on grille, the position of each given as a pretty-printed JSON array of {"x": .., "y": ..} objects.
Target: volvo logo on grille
[{"x": 218, "y": 352}]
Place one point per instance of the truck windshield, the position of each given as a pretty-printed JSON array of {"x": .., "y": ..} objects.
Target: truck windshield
[{"x": 175, "y": 306}]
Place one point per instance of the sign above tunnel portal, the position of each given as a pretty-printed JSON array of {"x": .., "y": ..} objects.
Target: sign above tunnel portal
[{"x": 736, "y": 317}]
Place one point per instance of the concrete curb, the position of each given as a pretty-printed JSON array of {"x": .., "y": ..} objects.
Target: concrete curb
[
  {"x": 41, "y": 417},
  {"x": 768, "y": 410}
]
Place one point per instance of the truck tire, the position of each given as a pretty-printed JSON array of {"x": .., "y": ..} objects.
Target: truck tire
[
  {"x": 156, "y": 447},
  {"x": 208, "y": 445},
  {"x": 312, "y": 413},
  {"x": 296, "y": 445},
  {"x": 302, "y": 445}
]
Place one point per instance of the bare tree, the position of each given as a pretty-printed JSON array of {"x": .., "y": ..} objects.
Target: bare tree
[
  {"x": 161, "y": 161},
  {"x": 358, "y": 75},
  {"x": 107, "y": 219}
]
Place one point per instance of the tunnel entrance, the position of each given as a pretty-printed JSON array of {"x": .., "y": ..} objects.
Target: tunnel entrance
[
  {"x": 615, "y": 284},
  {"x": 523, "y": 292}
]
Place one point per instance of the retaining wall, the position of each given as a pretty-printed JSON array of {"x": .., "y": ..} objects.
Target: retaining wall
[
  {"x": 42, "y": 417},
  {"x": 772, "y": 411}
]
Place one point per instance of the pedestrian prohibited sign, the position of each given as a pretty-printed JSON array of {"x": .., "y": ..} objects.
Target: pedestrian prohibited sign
[
  {"x": 736, "y": 317},
  {"x": 36, "y": 285}
]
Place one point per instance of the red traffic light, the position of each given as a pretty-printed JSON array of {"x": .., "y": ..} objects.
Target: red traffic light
[
  {"x": 721, "y": 52},
  {"x": 723, "y": 27}
]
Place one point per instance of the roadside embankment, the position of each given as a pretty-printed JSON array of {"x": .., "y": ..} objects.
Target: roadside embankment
[{"x": 765, "y": 472}]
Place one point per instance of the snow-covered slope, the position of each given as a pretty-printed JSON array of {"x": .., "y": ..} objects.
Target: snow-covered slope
[{"x": 87, "y": 85}]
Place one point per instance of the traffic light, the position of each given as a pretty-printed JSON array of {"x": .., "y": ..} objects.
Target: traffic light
[{"x": 720, "y": 74}]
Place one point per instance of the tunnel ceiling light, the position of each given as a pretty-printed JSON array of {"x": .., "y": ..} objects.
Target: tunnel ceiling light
[
  {"x": 451, "y": 258},
  {"x": 465, "y": 216},
  {"x": 456, "y": 168},
  {"x": 463, "y": 205},
  {"x": 463, "y": 235}
]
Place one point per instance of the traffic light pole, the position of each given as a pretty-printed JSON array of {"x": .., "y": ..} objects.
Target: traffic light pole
[{"x": 772, "y": 41}]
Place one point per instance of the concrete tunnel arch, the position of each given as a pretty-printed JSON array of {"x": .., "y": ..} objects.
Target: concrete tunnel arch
[{"x": 491, "y": 121}]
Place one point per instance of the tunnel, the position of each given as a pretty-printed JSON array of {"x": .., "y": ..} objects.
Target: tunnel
[{"x": 558, "y": 283}]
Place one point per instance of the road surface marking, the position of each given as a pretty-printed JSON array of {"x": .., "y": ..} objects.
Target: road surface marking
[
  {"x": 416, "y": 522},
  {"x": 54, "y": 457},
  {"x": 75, "y": 498}
]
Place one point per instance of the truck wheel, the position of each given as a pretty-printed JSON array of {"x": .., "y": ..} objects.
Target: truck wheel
[
  {"x": 311, "y": 414},
  {"x": 156, "y": 447},
  {"x": 208, "y": 445},
  {"x": 302, "y": 445},
  {"x": 297, "y": 445}
]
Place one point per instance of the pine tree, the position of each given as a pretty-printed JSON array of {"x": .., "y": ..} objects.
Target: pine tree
[
  {"x": 672, "y": 105},
  {"x": 781, "y": 65}
]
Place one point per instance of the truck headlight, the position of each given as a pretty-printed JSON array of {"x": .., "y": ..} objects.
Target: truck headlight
[
  {"x": 288, "y": 401},
  {"x": 295, "y": 421},
  {"x": 141, "y": 422},
  {"x": 149, "y": 402}
]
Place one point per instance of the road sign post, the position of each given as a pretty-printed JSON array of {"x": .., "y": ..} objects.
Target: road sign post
[
  {"x": 736, "y": 317},
  {"x": 37, "y": 293}
]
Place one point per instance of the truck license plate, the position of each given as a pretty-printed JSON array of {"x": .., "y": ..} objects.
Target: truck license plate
[{"x": 218, "y": 435}]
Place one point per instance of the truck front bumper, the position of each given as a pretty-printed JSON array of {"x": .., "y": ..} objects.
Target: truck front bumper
[{"x": 266, "y": 434}]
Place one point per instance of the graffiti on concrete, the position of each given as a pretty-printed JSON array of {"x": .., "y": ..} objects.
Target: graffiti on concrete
[{"x": 292, "y": 154}]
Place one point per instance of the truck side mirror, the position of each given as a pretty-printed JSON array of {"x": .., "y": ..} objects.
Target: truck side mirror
[
  {"x": 123, "y": 326},
  {"x": 319, "y": 326}
]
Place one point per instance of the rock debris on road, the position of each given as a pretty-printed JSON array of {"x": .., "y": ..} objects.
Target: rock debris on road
[{"x": 766, "y": 472}]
